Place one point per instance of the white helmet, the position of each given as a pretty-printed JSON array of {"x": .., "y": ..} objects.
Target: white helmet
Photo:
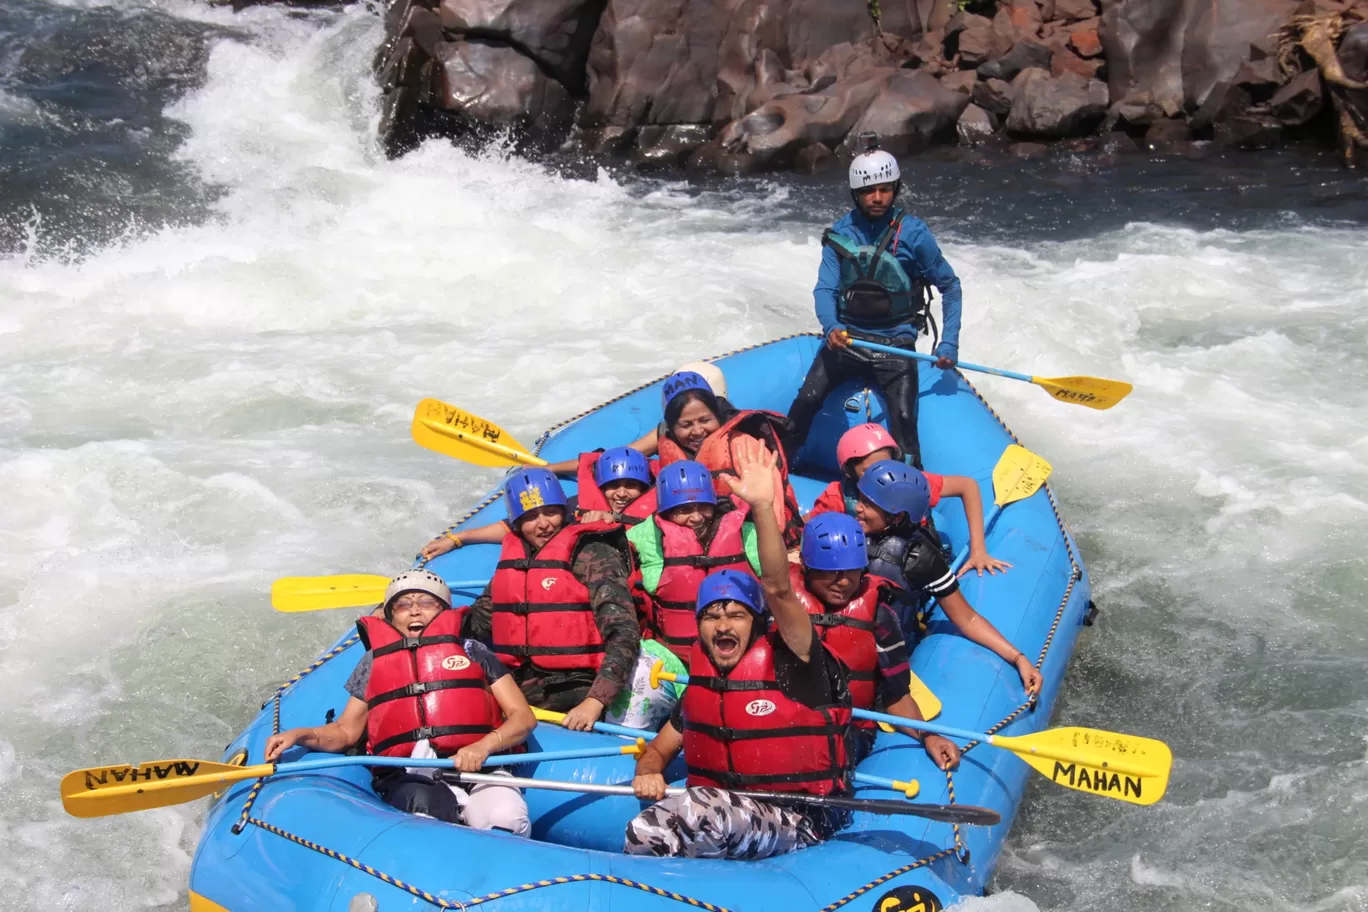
[
  {"x": 418, "y": 581},
  {"x": 874, "y": 167},
  {"x": 710, "y": 372}
]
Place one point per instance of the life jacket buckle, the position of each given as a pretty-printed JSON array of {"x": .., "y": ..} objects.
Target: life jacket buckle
[
  {"x": 410, "y": 642},
  {"x": 417, "y": 688}
]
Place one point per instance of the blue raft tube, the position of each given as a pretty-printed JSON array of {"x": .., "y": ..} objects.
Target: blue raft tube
[{"x": 321, "y": 839}]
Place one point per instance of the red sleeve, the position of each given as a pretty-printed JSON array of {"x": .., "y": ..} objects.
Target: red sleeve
[
  {"x": 936, "y": 483},
  {"x": 830, "y": 500}
]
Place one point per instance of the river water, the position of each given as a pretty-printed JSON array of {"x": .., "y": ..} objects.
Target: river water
[{"x": 218, "y": 306}]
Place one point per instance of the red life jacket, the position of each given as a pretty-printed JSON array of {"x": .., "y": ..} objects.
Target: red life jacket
[
  {"x": 741, "y": 732},
  {"x": 849, "y": 633},
  {"x": 541, "y": 612},
  {"x": 668, "y": 614},
  {"x": 716, "y": 453},
  {"x": 590, "y": 497},
  {"x": 424, "y": 687}
]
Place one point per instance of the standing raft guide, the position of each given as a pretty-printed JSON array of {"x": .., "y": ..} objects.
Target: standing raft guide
[{"x": 689, "y": 653}]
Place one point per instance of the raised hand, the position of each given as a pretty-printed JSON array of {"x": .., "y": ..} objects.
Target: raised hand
[{"x": 757, "y": 471}]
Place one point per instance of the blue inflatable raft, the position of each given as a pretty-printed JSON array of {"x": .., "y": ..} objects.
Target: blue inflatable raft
[{"x": 324, "y": 841}]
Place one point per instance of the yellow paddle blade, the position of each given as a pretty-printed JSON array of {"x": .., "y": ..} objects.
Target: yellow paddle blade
[
  {"x": 1125, "y": 767},
  {"x": 1094, "y": 392},
  {"x": 546, "y": 715},
  {"x": 1018, "y": 475},
  {"x": 317, "y": 593},
  {"x": 106, "y": 790},
  {"x": 470, "y": 438},
  {"x": 926, "y": 701}
]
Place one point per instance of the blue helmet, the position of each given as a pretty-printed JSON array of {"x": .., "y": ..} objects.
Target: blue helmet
[
  {"x": 528, "y": 489},
  {"x": 731, "y": 586},
  {"x": 834, "y": 541},
  {"x": 622, "y": 463},
  {"x": 684, "y": 482},
  {"x": 682, "y": 382},
  {"x": 895, "y": 487}
]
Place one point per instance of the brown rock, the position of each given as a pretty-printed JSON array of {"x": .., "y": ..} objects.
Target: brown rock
[
  {"x": 1250, "y": 131},
  {"x": 1067, "y": 105},
  {"x": 994, "y": 96},
  {"x": 1074, "y": 9},
  {"x": 555, "y": 33},
  {"x": 1259, "y": 77},
  {"x": 1025, "y": 16},
  {"x": 1165, "y": 132},
  {"x": 912, "y": 110},
  {"x": 1027, "y": 150},
  {"x": 975, "y": 44},
  {"x": 1086, "y": 43},
  {"x": 1296, "y": 103},
  {"x": 960, "y": 81},
  {"x": 1003, "y": 34},
  {"x": 669, "y": 147},
  {"x": 1223, "y": 102},
  {"x": 493, "y": 84},
  {"x": 975, "y": 126},
  {"x": 1177, "y": 50},
  {"x": 1066, "y": 61},
  {"x": 813, "y": 159},
  {"x": 1025, "y": 54},
  {"x": 962, "y": 20},
  {"x": 1084, "y": 25}
]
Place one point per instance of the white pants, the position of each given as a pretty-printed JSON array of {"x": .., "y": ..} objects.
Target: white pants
[{"x": 485, "y": 806}]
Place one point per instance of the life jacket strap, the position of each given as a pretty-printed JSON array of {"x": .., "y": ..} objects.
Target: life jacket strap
[
  {"x": 414, "y": 643},
  {"x": 429, "y": 732},
  {"x": 421, "y": 687}
]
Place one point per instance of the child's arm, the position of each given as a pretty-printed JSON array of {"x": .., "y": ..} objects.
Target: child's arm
[
  {"x": 980, "y": 630},
  {"x": 491, "y": 534},
  {"x": 967, "y": 490}
]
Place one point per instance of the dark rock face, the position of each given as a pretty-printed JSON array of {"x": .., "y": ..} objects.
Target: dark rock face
[
  {"x": 1045, "y": 105},
  {"x": 907, "y": 108},
  {"x": 739, "y": 85},
  {"x": 555, "y": 33},
  {"x": 1296, "y": 103},
  {"x": 495, "y": 84},
  {"x": 1025, "y": 53},
  {"x": 1175, "y": 51},
  {"x": 975, "y": 126}
]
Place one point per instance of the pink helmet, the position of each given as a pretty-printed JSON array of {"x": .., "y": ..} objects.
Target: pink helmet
[{"x": 860, "y": 441}]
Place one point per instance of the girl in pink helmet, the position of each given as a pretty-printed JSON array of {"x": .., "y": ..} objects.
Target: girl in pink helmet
[{"x": 861, "y": 447}]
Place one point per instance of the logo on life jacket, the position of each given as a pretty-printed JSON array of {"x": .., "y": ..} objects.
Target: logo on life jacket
[
  {"x": 548, "y": 582},
  {"x": 759, "y": 707},
  {"x": 455, "y": 663}
]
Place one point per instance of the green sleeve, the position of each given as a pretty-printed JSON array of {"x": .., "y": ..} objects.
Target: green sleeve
[
  {"x": 650, "y": 551},
  {"x": 751, "y": 546}
]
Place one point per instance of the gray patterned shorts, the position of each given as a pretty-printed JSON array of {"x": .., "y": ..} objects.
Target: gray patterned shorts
[{"x": 712, "y": 823}]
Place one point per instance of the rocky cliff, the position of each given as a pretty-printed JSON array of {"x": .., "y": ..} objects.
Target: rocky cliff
[{"x": 741, "y": 85}]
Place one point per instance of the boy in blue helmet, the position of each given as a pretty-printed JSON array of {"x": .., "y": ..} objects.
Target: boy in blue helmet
[
  {"x": 558, "y": 611},
  {"x": 893, "y": 500},
  {"x": 767, "y": 707},
  {"x": 854, "y": 612},
  {"x": 690, "y": 534},
  {"x": 877, "y": 266}
]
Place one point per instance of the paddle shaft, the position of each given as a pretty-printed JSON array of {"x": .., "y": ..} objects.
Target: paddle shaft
[
  {"x": 948, "y": 813},
  {"x": 1043, "y": 752},
  {"x": 261, "y": 770},
  {"x": 921, "y": 356}
]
